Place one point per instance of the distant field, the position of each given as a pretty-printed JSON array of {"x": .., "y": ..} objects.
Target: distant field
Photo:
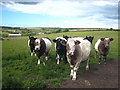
[{"x": 20, "y": 70}]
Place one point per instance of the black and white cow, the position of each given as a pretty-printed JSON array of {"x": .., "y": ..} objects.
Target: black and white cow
[
  {"x": 42, "y": 47},
  {"x": 31, "y": 44},
  {"x": 78, "y": 50},
  {"x": 60, "y": 49}
]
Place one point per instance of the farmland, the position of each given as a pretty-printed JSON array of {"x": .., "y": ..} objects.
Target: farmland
[{"x": 20, "y": 70}]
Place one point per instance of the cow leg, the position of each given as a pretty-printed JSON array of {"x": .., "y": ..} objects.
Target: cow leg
[
  {"x": 58, "y": 59},
  {"x": 65, "y": 58},
  {"x": 71, "y": 74},
  {"x": 100, "y": 58},
  {"x": 31, "y": 53},
  {"x": 87, "y": 66},
  {"x": 75, "y": 70},
  {"x": 104, "y": 58},
  {"x": 39, "y": 61},
  {"x": 46, "y": 56},
  {"x": 74, "y": 73}
]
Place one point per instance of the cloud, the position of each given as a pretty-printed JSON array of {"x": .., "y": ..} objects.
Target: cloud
[{"x": 97, "y": 12}]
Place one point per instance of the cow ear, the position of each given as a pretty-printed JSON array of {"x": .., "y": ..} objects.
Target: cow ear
[
  {"x": 102, "y": 39},
  {"x": 63, "y": 42},
  {"x": 77, "y": 42},
  {"x": 111, "y": 39},
  {"x": 54, "y": 40}
]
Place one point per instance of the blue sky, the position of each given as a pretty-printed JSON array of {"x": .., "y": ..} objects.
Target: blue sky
[{"x": 60, "y": 13}]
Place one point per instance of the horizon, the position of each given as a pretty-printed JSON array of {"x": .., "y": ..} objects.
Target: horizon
[{"x": 60, "y": 13}]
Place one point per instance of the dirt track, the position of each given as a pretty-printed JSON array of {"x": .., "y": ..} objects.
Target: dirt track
[{"x": 106, "y": 76}]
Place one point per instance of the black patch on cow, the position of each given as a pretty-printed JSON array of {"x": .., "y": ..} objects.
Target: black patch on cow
[{"x": 90, "y": 38}]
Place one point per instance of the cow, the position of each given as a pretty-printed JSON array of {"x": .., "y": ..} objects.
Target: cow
[
  {"x": 60, "y": 49},
  {"x": 78, "y": 50},
  {"x": 42, "y": 47},
  {"x": 31, "y": 44},
  {"x": 102, "y": 47}
]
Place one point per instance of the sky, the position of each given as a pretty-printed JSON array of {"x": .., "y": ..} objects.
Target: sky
[{"x": 60, "y": 13}]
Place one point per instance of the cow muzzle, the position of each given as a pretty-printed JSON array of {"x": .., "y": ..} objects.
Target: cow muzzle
[{"x": 70, "y": 53}]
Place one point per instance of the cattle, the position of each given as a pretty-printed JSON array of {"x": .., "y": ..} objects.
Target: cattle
[
  {"x": 60, "y": 49},
  {"x": 78, "y": 50},
  {"x": 42, "y": 48},
  {"x": 102, "y": 47},
  {"x": 31, "y": 44}
]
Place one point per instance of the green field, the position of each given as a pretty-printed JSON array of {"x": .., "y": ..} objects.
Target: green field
[{"x": 20, "y": 70}]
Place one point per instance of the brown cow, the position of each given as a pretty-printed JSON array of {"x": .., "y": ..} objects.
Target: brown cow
[{"x": 102, "y": 48}]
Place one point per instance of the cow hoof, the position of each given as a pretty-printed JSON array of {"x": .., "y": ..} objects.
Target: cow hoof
[
  {"x": 74, "y": 79},
  {"x": 105, "y": 63}
]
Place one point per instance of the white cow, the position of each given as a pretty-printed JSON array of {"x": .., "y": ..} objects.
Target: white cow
[{"x": 78, "y": 49}]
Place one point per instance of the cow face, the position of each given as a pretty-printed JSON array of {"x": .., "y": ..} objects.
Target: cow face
[
  {"x": 70, "y": 45},
  {"x": 106, "y": 41},
  {"x": 32, "y": 40},
  {"x": 58, "y": 44},
  {"x": 37, "y": 44}
]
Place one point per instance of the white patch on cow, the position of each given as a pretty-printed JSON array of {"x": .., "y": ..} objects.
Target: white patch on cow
[
  {"x": 38, "y": 61},
  {"x": 58, "y": 57},
  {"x": 71, "y": 44},
  {"x": 72, "y": 72},
  {"x": 35, "y": 54},
  {"x": 46, "y": 58},
  {"x": 48, "y": 44},
  {"x": 74, "y": 76},
  {"x": 31, "y": 53},
  {"x": 96, "y": 44},
  {"x": 37, "y": 44},
  {"x": 107, "y": 38},
  {"x": 28, "y": 43},
  {"x": 44, "y": 63}
]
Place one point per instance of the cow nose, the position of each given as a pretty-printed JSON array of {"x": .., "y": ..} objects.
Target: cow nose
[
  {"x": 107, "y": 46},
  {"x": 36, "y": 48}
]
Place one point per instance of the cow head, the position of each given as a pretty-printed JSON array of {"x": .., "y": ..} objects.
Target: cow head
[
  {"x": 106, "y": 41},
  {"x": 58, "y": 43},
  {"x": 38, "y": 44},
  {"x": 32, "y": 40},
  {"x": 70, "y": 45}
]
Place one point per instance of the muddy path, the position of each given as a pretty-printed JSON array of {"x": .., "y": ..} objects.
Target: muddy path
[{"x": 106, "y": 76}]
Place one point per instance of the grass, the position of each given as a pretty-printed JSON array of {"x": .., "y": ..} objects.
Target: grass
[{"x": 20, "y": 70}]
